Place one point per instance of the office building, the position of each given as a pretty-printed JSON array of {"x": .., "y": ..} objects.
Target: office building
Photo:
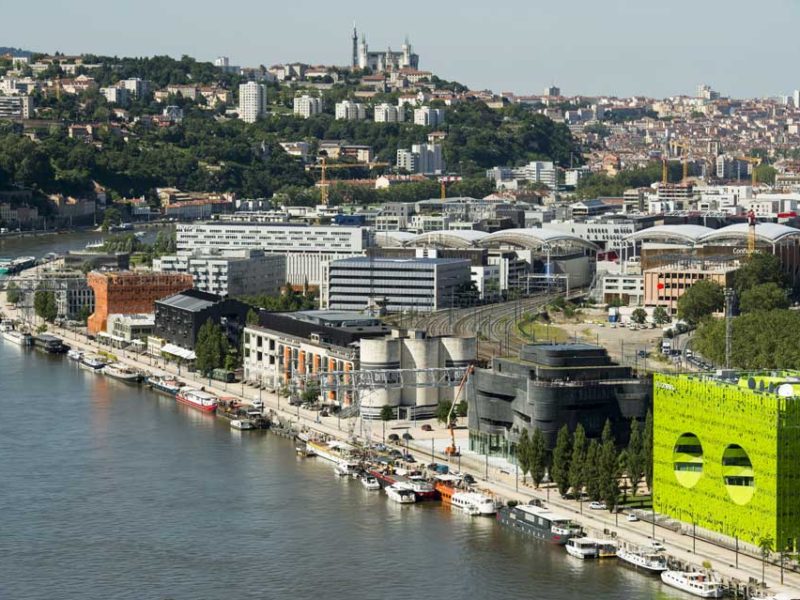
[
  {"x": 252, "y": 101},
  {"x": 307, "y": 106},
  {"x": 725, "y": 454},
  {"x": 129, "y": 292},
  {"x": 305, "y": 248},
  {"x": 549, "y": 386},
  {"x": 428, "y": 117},
  {"x": 389, "y": 113},
  {"x": 552, "y": 91},
  {"x": 242, "y": 272},
  {"x": 179, "y": 317},
  {"x": 418, "y": 284},
  {"x": 665, "y": 284},
  {"x": 425, "y": 159},
  {"x": 350, "y": 111}
]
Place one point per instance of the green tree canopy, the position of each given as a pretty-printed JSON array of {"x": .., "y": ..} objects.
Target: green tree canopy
[
  {"x": 538, "y": 457},
  {"x": 634, "y": 456},
  {"x": 44, "y": 304},
  {"x": 660, "y": 316},
  {"x": 759, "y": 268},
  {"x": 211, "y": 348},
  {"x": 561, "y": 455},
  {"x": 647, "y": 449},
  {"x": 577, "y": 463},
  {"x": 524, "y": 458},
  {"x": 700, "y": 300},
  {"x": 13, "y": 293},
  {"x": 764, "y": 296},
  {"x": 639, "y": 316}
]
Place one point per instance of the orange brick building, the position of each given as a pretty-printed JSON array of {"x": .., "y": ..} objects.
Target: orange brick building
[{"x": 128, "y": 292}]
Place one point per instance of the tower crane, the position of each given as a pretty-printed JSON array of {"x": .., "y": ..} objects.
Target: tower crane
[
  {"x": 443, "y": 181},
  {"x": 452, "y": 449},
  {"x": 323, "y": 166},
  {"x": 684, "y": 156},
  {"x": 754, "y": 162}
]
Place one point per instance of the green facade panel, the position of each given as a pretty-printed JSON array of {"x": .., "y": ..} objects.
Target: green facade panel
[{"x": 726, "y": 456}]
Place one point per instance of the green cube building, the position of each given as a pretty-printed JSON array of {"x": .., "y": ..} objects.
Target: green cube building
[{"x": 726, "y": 454}]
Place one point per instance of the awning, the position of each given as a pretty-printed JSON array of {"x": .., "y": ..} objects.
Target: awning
[{"x": 178, "y": 351}]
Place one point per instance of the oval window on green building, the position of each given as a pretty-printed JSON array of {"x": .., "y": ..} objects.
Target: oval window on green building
[
  {"x": 687, "y": 460},
  {"x": 737, "y": 471}
]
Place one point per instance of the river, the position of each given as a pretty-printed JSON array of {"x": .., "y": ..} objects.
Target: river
[
  {"x": 40, "y": 244},
  {"x": 111, "y": 491}
]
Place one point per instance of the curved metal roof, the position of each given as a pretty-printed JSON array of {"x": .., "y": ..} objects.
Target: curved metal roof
[
  {"x": 766, "y": 232},
  {"x": 533, "y": 238},
  {"x": 451, "y": 238},
  {"x": 392, "y": 239},
  {"x": 685, "y": 233}
]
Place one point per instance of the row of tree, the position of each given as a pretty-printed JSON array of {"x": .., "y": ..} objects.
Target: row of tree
[
  {"x": 589, "y": 466},
  {"x": 213, "y": 350}
]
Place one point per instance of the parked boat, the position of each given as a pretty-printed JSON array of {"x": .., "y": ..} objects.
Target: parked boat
[
  {"x": 346, "y": 468},
  {"x": 467, "y": 501},
  {"x": 122, "y": 373},
  {"x": 647, "y": 560},
  {"x": 369, "y": 482},
  {"x": 421, "y": 487},
  {"x": 198, "y": 399},
  {"x": 697, "y": 584},
  {"x": 582, "y": 548},
  {"x": 6, "y": 325},
  {"x": 242, "y": 424},
  {"x": 303, "y": 450},
  {"x": 75, "y": 355},
  {"x": 50, "y": 344},
  {"x": 606, "y": 548},
  {"x": 400, "y": 493},
  {"x": 166, "y": 385},
  {"x": 539, "y": 522},
  {"x": 18, "y": 337},
  {"x": 93, "y": 362},
  {"x": 333, "y": 450}
]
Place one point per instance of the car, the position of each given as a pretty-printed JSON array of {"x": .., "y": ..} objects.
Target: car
[
  {"x": 595, "y": 505},
  {"x": 409, "y": 458},
  {"x": 427, "y": 427},
  {"x": 632, "y": 518},
  {"x": 323, "y": 412},
  {"x": 393, "y": 437},
  {"x": 468, "y": 479},
  {"x": 657, "y": 546}
]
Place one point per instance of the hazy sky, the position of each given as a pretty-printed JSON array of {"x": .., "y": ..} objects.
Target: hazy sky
[{"x": 618, "y": 47}]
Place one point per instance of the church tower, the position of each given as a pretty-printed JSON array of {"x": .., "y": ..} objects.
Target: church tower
[{"x": 355, "y": 48}]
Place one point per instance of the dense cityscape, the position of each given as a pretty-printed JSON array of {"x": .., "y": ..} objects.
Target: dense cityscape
[{"x": 576, "y": 314}]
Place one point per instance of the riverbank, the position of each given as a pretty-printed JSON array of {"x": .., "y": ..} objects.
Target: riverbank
[{"x": 493, "y": 475}]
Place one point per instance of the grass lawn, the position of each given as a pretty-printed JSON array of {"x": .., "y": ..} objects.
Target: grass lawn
[{"x": 542, "y": 333}]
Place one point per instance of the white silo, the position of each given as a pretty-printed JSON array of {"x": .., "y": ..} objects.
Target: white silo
[{"x": 379, "y": 354}]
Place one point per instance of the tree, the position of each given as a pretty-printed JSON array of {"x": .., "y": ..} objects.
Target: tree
[
  {"x": 660, "y": 316},
  {"x": 639, "y": 316},
  {"x": 766, "y": 544},
  {"x": 700, "y": 300},
  {"x": 13, "y": 293},
  {"x": 647, "y": 450},
  {"x": 84, "y": 313},
  {"x": 44, "y": 304},
  {"x": 759, "y": 268},
  {"x": 634, "y": 456},
  {"x": 577, "y": 464},
  {"x": 764, "y": 296},
  {"x": 443, "y": 411},
  {"x": 387, "y": 414},
  {"x": 524, "y": 457},
  {"x": 561, "y": 455},
  {"x": 538, "y": 457},
  {"x": 592, "y": 471},
  {"x": 310, "y": 394},
  {"x": 462, "y": 408},
  {"x": 211, "y": 348},
  {"x": 252, "y": 317},
  {"x": 608, "y": 461}
]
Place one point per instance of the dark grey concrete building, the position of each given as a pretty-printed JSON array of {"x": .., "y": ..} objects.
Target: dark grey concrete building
[
  {"x": 180, "y": 317},
  {"x": 550, "y": 386}
]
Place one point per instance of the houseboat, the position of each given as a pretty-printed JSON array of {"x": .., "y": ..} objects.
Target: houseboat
[{"x": 539, "y": 522}]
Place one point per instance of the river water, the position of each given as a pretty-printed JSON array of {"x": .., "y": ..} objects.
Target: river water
[{"x": 111, "y": 491}]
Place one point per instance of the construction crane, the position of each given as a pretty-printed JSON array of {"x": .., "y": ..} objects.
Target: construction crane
[
  {"x": 443, "y": 181},
  {"x": 751, "y": 232},
  {"x": 452, "y": 449},
  {"x": 324, "y": 166},
  {"x": 754, "y": 162},
  {"x": 664, "y": 171},
  {"x": 684, "y": 156}
]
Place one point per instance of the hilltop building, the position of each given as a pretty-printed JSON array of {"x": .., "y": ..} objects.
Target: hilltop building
[{"x": 387, "y": 60}]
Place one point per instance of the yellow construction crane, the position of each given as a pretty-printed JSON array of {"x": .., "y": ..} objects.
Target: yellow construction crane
[
  {"x": 324, "y": 166},
  {"x": 443, "y": 181},
  {"x": 684, "y": 156},
  {"x": 664, "y": 171},
  {"x": 754, "y": 162}
]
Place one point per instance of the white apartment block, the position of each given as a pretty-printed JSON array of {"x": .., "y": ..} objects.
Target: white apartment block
[
  {"x": 136, "y": 87},
  {"x": 538, "y": 171},
  {"x": 16, "y": 107},
  {"x": 422, "y": 158},
  {"x": 429, "y": 117},
  {"x": 389, "y": 113},
  {"x": 115, "y": 95},
  {"x": 243, "y": 272},
  {"x": 252, "y": 101},
  {"x": 307, "y": 106},
  {"x": 350, "y": 111},
  {"x": 306, "y": 248}
]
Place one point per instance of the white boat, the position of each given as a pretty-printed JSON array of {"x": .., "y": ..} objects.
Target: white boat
[
  {"x": 697, "y": 584},
  {"x": 647, "y": 560},
  {"x": 242, "y": 424},
  {"x": 93, "y": 363},
  {"x": 333, "y": 450},
  {"x": 122, "y": 373},
  {"x": 17, "y": 337},
  {"x": 346, "y": 468},
  {"x": 74, "y": 355},
  {"x": 6, "y": 325},
  {"x": 467, "y": 501},
  {"x": 582, "y": 548},
  {"x": 370, "y": 483},
  {"x": 401, "y": 494}
]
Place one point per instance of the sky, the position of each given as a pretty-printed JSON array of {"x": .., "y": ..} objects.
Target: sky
[{"x": 615, "y": 47}]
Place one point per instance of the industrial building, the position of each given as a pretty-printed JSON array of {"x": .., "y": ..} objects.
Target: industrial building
[
  {"x": 547, "y": 387},
  {"x": 305, "y": 248},
  {"x": 127, "y": 292},
  {"x": 726, "y": 452}
]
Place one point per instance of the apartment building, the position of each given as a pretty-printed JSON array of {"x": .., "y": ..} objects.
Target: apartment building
[
  {"x": 350, "y": 111},
  {"x": 428, "y": 117},
  {"x": 16, "y": 107},
  {"x": 422, "y": 158},
  {"x": 306, "y": 106},
  {"x": 389, "y": 113},
  {"x": 252, "y": 101}
]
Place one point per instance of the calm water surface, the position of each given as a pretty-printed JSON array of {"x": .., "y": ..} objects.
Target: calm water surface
[{"x": 110, "y": 491}]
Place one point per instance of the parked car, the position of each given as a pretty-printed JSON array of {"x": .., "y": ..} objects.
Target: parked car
[
  {"x": 427, "y": 427},
  {"x": 657, "y": 546},
  {"x": 597, "y": 505},
  {"x": 632, "y": 518},
  {"x": 409, "y": 458}
]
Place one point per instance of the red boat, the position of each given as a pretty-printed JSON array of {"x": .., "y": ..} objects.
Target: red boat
[{"x": 198, "y": 399}]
